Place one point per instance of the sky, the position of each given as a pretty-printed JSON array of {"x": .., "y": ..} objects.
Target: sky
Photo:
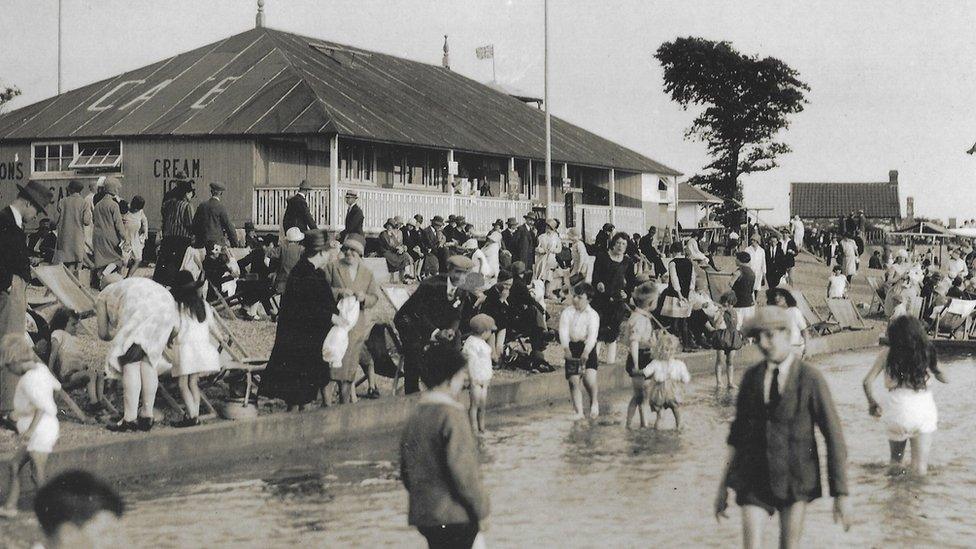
[{"x": 891, "y": 82}]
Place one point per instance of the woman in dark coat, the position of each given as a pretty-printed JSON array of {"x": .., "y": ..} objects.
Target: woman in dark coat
[
  {"x": 296, "y": 372},
  {"x": 614, "y": 278}
]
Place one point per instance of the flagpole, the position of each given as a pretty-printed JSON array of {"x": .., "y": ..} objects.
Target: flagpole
[
  {"x": 493, "y": 78},
  {"x": 59, "y": 47},
  {"x": 545, "y": 101}
]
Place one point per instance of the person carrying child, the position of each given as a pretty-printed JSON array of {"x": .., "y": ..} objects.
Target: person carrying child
[
  {"x": 579, "y": 327},
  {"x": 665, "y": 374},
  {"x": 477, "y": 350},
  {"x": 195, "y": 353},
  {"x": 35, "y": 413},
  {"x": 643, "y": 337},
  {"x": 727, "y": 339}
]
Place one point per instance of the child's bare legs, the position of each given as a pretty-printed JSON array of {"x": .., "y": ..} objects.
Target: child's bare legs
[
  {"x": 921, "y": 446},
  {"x": 718, "y": 368},
  {"x": 576, "y": 396},
  {"x": 589, "y": 381},
  {"x": 190, "y": 391},
  {"x": 755, "y": 518},
  {"x": 657, "y": 418},
  {"x": 730, "y": 369},
  {"x": 897, "y": 449},
  {"x": 611, "y": 353},
  {"x": 479, "y": 400},
  {"x": 635, "y": 405},
  {"x": 677, "y": 418},
  {"x": 150, "y": 382},
  {"x": 131, "y": 389},
  {"x": 17, "y": 463}
]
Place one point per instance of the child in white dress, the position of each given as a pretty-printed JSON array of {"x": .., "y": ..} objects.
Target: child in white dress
[
  {"x": 666, "y": 373},
  {"x": 35, "y": 413},
  {"x": 135, "y": 228},
  {"x": 837, "y": 284},
  {"x": 195, "y": 352},
  {"x": 477, "y": 352}
]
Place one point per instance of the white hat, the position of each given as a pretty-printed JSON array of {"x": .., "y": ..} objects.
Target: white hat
[
  {"x": 294, "y": 234},
  {"x": 470, "y": 244}
]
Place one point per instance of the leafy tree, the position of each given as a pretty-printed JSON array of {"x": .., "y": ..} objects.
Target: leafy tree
[
  {"x": 7, "y": 93},
  {"x": 745, "y": 101}
]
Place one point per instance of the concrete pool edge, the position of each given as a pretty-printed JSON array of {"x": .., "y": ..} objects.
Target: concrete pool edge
[{"x": 135, "y": 455}]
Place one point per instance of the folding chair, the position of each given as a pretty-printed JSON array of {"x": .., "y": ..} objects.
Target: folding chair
[
  {"x": 843, "y": 311},
  {"x": 397, "y": 296},
  {"x": 958, "y": 314},
  {"x": 817, "y": 323},
  {"x": 878, "y": 297},
  {"x": 718, "y": 284}
]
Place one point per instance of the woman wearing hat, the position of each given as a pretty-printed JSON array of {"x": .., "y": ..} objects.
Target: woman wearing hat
[
  {"x": 139, "y": 317},
  {"x": 395, "y": 253},
  {"x": 349, "y": 277},
  {"x": 613, "y": 278},
  {"x": 481, "y": 265},
  {"x": 109, "y": 231},
  {"x": 291, "y": 253},
  {"x": 545, "y": 253},
  {"x": 296, "y": 372},
  {"x": 71, "y": 219},
  {"x": 492, "y": 251}
]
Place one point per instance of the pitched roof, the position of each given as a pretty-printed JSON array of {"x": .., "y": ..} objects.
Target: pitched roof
[
  {"x": 280, "y": 83},
  {"x": 878, "y": 200},
  {"x": 688, "y": 193}
]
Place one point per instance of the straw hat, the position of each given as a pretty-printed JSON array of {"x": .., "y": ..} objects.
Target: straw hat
[
  {"x": 294, "y": 234},
  {"x": 355, "y": 241}
]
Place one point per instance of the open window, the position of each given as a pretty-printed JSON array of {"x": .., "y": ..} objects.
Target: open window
[{"x": 103, "y": 155}]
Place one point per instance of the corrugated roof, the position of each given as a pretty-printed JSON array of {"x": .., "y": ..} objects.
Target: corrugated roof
[
  {"x": 878, "y": 200},
  {"x": 280, "y": 83},
  {"x": 688, "y": 193}
]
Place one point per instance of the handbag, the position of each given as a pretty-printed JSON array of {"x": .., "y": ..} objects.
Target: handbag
[
  {"x": 676, "y": 307},
  {"x": 573, "y": 366}
]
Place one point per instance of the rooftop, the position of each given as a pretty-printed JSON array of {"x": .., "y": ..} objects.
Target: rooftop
[{"x": 830, "y": 200}]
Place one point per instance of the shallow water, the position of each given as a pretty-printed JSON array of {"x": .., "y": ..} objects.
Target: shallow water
[{"x": 555, "y": 482}]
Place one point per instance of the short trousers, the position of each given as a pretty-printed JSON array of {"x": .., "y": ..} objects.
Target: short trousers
[
  {"x": 763, "y": 498},
  {"x": 907, "y": 414},
  {"x": 576, "y": 349},
  {"x": 450, "y": 536},
  {"x": 45, "y": 434}
]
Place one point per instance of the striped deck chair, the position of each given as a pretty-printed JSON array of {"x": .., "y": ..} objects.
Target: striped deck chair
[
  {"x": 878, "y": 297},
  {"x": 956, "y": 320},
  {"x": 817, "y": 323},
  {"x": 842, "y": 310}
]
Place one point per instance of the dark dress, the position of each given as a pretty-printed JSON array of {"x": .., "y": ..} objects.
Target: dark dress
[
  {"x": 296, "y": 371},
  {"x": 744, "y": 287},
  {"x": 683, "y": 267},
  {"x": 615, "y": 276}
]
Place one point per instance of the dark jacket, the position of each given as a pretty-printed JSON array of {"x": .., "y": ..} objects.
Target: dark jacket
[
  {"x": 428, "y": 239},
  {"x": 523, "y": 248},
  {"x": 439, "y": 465},
  {"x": 508, "y": 239},
  {"x": 13, "y": 250},
  {"x": 297, "y": 214},
  {"x": 646, "y": 247},
  {"x": 776, "y": 451},
  {"x": 211, "y": 222},
  {"x": 354, "y": 222},
  {"x": 428, "y": 309}
]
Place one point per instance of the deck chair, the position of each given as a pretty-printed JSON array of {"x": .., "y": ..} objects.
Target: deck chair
[
  {"x": 718, "y": 284},
  {"x": 842, "y": 310},
  {"x": 817, "y": 323},
  {"x": 387, "y": 334},
  {"x": 957, "y": 316},
  {"x": 878, "y": 295}
]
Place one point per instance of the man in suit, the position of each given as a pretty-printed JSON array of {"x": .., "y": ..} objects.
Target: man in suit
[
  {"x": 296, "y": 212},
  {"x": 435, "y": 310},
  {"x": 524, "y": 242},
  {"x": 211, "y": 223},
  {"x": 430, "y": 239},
  {"x": 354, "y": 217},
  {"x": 508, "y": 235},
  {"x": 15, "y": 271},
  {"x": 774, "y": 262},
  {"x": 602, "y": 239},
  {"x": 773, "y": 464}
]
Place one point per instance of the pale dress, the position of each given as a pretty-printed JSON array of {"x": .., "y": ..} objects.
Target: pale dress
[
  {"x": 195, "y": 352},
  {"x": 140, "y": 312},
  {"x": 135, "y": 226},
  {"x": 667, "y": 377},
  {"x": 35, "y": 393},
  {"x": 478, "y": 355},
  {"x": 545, "y": 256}
]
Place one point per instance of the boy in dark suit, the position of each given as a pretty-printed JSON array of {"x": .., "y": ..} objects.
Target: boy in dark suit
[
  {"x": 773, "y": 464},
  {"x": 354, "y": 217},
  {"x": 297, "y": 213}
]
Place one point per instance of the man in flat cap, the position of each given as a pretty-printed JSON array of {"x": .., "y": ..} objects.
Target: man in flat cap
[
  {"x": 524, "y": 242},
  {"x": 177, "y": 233},
  {"x": 296, "y": 212},
  {"x": 435, "y": 310},
  {"x": 354, "y": 217},
  {"x": 773, "y": 462},
  {"x": 31, "y": 199},
  {"x": 211, "y": 222}
]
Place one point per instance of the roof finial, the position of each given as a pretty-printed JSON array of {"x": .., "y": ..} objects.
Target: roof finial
[
  {"x": 259, "y": 19},
  {"x": 446, "y": 61}
]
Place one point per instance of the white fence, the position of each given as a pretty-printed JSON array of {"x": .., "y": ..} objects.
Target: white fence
[
  {"x": 630, "y": 220},
  {"x": 269, "y": 205}
]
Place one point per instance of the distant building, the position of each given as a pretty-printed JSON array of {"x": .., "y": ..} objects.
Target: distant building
[
  {"x": 694, "y": 207},
  {"x": 823, "y": 204}
]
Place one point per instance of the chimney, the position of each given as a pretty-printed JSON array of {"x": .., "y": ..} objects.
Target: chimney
[
  {"x": 893, "y": 177},
  {"x": 259, "y": 18},
  {"x": 446, "y": 61}
]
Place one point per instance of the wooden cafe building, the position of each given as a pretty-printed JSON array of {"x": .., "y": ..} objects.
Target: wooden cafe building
[{"x": 265, "y": 109}]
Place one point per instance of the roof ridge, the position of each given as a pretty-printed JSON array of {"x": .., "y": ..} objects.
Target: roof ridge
[{"x": 302, "y": 74}]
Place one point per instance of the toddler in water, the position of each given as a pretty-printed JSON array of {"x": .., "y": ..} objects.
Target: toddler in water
[
  {"x": 35, "y": 413},
  {"x": 643, "y": 337},
  {"x": 477, "y": 351},
  {"x": 666, "y": 374},
  {"x": 837, "y": 284},
  {"x": 726, "y": 339}
]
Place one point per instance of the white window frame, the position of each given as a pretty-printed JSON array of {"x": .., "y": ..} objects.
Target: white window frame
[
  {"x": 77, "y": 156},
  {"x": 51, "y": 174},
  {"x": 360, "y": 148}
]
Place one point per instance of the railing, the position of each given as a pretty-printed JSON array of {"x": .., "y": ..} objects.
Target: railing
[
  {"x": 630, "y": 220},
  {"x": 482, "y": 212},
  {"x": 269, "y": 206}
]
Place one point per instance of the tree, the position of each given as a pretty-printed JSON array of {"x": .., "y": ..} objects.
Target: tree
[
  {"x": 7, "y": 93},
  {"x": 746, "y": 102}
]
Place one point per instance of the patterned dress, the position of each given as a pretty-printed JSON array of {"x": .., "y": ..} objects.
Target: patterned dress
[{"x": 140, "y": 312}]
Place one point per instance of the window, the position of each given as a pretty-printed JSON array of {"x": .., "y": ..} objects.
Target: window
[
  {"x": 53, "y": 157},
  {"x": 356, "y": 162},
  {"x": 98, "y": 154},
  {"x": 419, "y": 168}
]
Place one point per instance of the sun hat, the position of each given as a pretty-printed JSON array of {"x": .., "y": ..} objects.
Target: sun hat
[
  {"x": 355, "y": 241},
  {"x": 294, "y": 234},
  {"x": 39, "y": 195},
  {"x": 552, "y": 224},
  {"x": 470, "y": 244},
  {"x": 573, "y": 233},
  {"x": 767, "y": 318},
  {"x": 482, "y": 323}
]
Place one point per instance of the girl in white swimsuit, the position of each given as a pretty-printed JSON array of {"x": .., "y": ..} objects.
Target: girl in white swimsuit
[{"x": 908, "y": 410}]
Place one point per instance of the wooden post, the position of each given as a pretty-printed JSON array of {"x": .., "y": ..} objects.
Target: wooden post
[
  {"x": 511, "y": 178},
  {"x": 531, "y": 182},
  {"x": 450, "y": 180},
  {"x": 613, "y": 196},
  {"x": 333, "y": 220}
]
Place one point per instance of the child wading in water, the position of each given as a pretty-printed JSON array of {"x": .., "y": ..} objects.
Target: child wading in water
[
  {"x": 909, "y": 412},
  {"x": 477, "y": 351},
  {"x": 579, "y": 326},
  {"x": 666, "y": 374},
  {"x": 35, "y": 412},
  {"x": 643, "y": 338},
  {"x": 195, "y": 353},
  {"x": 727, "y": 339}
]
